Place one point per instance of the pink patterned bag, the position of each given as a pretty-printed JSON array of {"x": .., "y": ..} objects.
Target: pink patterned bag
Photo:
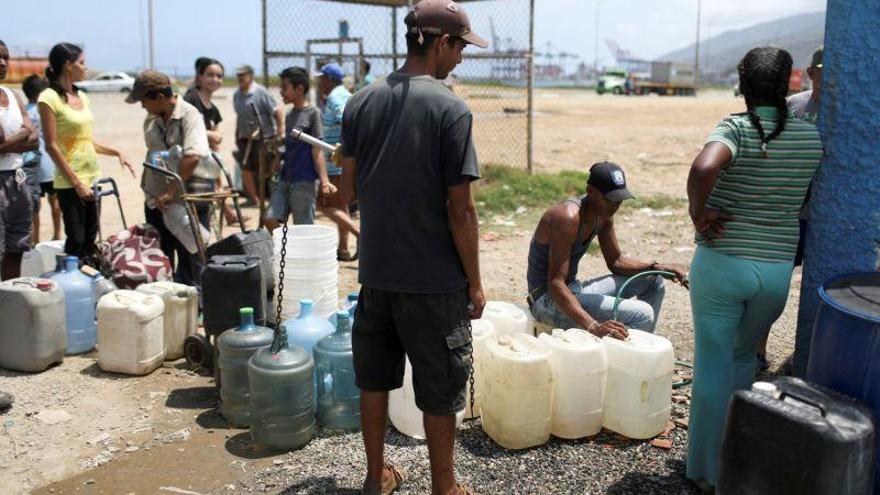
[{"x": 136, "y": 257}]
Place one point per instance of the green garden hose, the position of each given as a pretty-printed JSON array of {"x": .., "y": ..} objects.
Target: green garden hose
[{"x": 614, "y": 315}]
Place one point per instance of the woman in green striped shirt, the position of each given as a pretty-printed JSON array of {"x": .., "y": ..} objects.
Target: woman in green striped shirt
[{"x": 745, "y": 188}]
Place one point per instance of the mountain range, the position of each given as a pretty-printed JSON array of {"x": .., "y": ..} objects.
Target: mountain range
[{"x": 800, "y": 35}]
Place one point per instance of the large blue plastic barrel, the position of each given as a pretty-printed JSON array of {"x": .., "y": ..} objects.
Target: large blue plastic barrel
[{"x": 845, "y": 352}]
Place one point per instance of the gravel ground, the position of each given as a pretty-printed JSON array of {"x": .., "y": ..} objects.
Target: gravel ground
[{"x": 607, "y": 463}]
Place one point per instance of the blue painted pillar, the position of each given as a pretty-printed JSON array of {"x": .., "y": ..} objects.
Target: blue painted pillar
[{"x": 844, "y": 228}]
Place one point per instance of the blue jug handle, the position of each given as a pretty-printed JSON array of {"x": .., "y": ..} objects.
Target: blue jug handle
[{"x": 325, "y": 384}]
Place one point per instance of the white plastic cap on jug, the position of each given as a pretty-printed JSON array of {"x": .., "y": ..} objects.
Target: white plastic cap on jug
[
  {"x": 403, "y": 412},
  {"x": 482, "y": 331},
  {"x": 766, "y": 388},
  {"x": 508, "y": 318},
  {"x": 579, "y": 364},
  {"x": 130, "y": 332},
  {"x": 638, "y": 393},
  {"x": 518, "y": 391}
]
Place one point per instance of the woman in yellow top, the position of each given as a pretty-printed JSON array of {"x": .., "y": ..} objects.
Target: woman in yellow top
[{"x": 67, "y": 132}]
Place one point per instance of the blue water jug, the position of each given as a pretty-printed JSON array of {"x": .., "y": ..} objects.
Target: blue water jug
[
  {"x": 79, "y": 306},
  {"x": 339, "y": 399},
  {"x": 60, "y": 262},
  {"x": 306, "y": 330},
  {"x": 282, "y": 395},
  {"x": 350, "y": 304},
  {"x": 236, "y": 346}
]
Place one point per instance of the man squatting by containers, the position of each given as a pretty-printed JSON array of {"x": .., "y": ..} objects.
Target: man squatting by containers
[
  {"x": 405, "y": 304},
  {"x": 561, "y": 240},
  {"x": 17, "y": 136}
]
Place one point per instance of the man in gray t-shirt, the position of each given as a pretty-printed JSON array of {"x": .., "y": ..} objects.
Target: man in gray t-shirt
[
  {"x": 268, "y": 116},
  {"x": 407, "y": 142},
  {"x": 805, "y": 105}
]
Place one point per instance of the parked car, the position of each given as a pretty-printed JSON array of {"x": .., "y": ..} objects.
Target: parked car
[{"x": 107, "y": 82}]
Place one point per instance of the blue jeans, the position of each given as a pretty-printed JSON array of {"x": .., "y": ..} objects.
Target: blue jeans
[
  {"x": 293, "y": 198},
  {"x": 597, "y": 298}
]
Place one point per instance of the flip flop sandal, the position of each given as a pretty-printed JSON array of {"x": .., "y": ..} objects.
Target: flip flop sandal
[
  {"x": 462, "y": 489},
  {"x": 389, "y": 485}
]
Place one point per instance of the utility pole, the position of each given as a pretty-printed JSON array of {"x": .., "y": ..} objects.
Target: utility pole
[
  {"x": 697, "y": 49},
  {"x": 142, "y": 32},
  {"x": 151, "y": 35},
  {"x": 596, "y": 44}
]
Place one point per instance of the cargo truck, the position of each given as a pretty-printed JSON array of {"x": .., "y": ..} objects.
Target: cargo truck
[
  {"x": 612, "y": 81},
  {"x": 668, "y": 79}
]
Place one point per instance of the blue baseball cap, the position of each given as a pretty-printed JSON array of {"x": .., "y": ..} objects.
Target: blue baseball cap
[{"x": 333, "y": 71}]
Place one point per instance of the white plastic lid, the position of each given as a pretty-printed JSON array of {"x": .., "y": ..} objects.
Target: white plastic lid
[{"x": 765, "y": 388}]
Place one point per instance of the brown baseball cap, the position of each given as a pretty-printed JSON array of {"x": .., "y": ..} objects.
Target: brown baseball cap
[
  {"x": 146, "y": 82},
  {"x": 439, "y": 17}
]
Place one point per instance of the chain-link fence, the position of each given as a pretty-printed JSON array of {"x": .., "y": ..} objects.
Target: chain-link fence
[{"x": 495, "y": 83}]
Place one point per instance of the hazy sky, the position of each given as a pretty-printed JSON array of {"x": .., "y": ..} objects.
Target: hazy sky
[{"x": 113, "y": 31}]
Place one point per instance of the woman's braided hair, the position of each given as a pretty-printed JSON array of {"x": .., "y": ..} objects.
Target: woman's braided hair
[{"x": 763, "y": 78}]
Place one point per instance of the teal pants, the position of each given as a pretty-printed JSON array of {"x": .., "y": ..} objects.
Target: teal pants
[{"x": 734, "y": 301}]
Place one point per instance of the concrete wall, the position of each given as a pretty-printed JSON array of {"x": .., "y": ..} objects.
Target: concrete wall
[{"x": 844, "y": 228}]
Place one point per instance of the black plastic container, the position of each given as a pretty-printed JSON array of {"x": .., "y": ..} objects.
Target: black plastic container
[
  {"x": 796, "y": 438},
  {"x": 257, "y": 243},
  {"x": 230, "y": 283}
]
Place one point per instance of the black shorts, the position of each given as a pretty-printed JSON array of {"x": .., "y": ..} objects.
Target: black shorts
[
  {"x": 432, "y": 329},
  {"x": 47, "y": 188}
]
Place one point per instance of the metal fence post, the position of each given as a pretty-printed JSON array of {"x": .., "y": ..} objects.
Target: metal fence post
[
  {"x": 530, "y": 117},
  {"x": 394, "y": 54},
  {"x": 265, "y": 57}
]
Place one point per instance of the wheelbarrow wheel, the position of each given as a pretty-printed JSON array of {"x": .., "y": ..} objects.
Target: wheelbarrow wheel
[{"x": 198, "y": 351}]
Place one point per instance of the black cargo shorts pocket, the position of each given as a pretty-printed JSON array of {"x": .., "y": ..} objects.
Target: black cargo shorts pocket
[{"x": 459, "y": 344}]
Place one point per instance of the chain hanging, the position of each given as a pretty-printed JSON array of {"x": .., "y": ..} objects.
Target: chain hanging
[
  {"x": 471, "y": 377},
  {"x": 278, "y": 342}
]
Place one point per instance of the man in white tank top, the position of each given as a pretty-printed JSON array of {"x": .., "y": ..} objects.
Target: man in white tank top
[{"x": 17, "y": 135}]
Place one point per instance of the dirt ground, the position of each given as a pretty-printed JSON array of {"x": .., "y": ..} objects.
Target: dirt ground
[{"x": 92, "y": 432}]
